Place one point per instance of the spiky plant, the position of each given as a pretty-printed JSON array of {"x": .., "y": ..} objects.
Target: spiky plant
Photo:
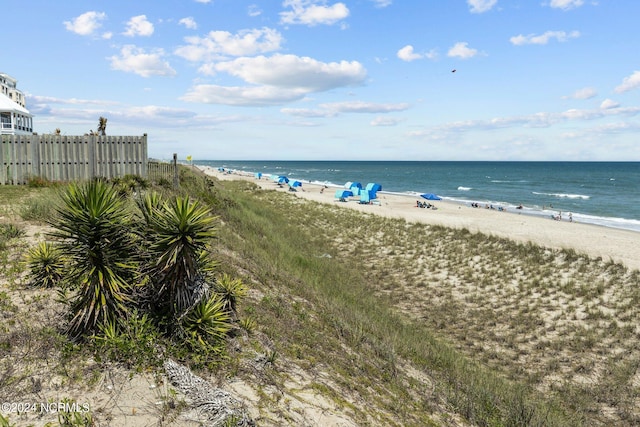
[
  {"x": 208, "y": 322},
  {"x": 148, "y": 205},
  {"x": 181, "y": 231},
  {"x": 46, "y": 265},
  {"x": 230, "y": 290},
  {"x": 93, "y": 229}
]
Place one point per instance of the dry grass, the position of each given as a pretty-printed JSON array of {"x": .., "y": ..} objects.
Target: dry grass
[
  {"x": 558, "y": 321},
  {"x": 555, "y": 319}
]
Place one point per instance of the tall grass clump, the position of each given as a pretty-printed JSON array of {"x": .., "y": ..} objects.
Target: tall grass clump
[{"x": 41, "y": 207}]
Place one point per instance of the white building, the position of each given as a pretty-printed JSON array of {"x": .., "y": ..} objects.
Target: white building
[{"x": 15, "y": 119}]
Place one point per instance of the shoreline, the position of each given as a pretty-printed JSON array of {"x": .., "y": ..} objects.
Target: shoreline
[{"x": 619, "y": 245}]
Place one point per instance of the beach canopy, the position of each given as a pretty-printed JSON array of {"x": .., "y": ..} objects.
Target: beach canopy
[
  {"x": 430, "y": 196},
  {"x": 372, "y": 186},
  {"x": 340, "y": 194},
  {"x": 366, "y": 196},
  {"x": 280, "y": 179},
  {"x": 295, "y": 184},
  {"x": 351, "y": 185}
]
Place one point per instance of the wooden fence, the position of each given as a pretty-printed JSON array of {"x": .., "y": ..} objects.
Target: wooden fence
[
  {"x": 158, "y": 170},
  {"x": 68, "y": 158}
]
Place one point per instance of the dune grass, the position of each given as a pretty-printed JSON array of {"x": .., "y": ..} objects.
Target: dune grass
[
  {"x": 321, "y": 299},
  {"x": 405, "y": 324}
]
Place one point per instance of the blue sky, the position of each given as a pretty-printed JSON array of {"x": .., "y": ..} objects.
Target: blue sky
[{"x": 349, "y": 80}]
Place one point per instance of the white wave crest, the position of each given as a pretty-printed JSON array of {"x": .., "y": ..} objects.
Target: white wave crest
[{"x": 564, "y": 196}]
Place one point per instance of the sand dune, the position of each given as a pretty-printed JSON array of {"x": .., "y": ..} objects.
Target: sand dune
[{"x": 618, "y": 245}]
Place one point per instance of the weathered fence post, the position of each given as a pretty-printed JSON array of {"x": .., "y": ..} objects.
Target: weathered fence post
[{"x": 176, "y": 182}]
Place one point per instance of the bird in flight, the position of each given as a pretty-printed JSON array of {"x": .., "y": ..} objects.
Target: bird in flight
[{"x": 453, "y": 71}]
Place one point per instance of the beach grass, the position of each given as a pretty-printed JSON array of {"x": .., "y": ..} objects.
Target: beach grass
[
  {"x": 390, "y": 322},
  {"x": 486, "y": 316},
  {"x": 296, "y": 244}
]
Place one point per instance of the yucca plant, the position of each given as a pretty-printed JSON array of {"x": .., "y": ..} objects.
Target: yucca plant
[
  {"x": 181, "y": 232},
  {"x": 208, "y": 322},
  {"x": 46, "y": 265},
  {"x": 230, "y": 291},
  {"x": 93, "y": 228},
  {"x": 148, "y": 205}
]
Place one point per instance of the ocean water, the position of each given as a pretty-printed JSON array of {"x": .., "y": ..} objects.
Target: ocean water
[{"x": 601, "y": 193}]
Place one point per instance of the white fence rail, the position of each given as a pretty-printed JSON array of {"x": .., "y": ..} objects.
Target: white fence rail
[{"x": 68, "y": 158}]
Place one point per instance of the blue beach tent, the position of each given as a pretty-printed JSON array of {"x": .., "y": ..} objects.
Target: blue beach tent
[
  {"x": 295, "y": 184},
  {"x": 372, "y": 186},
  {"x": 430, "y": 196},
  {"x": 367, "y": 196},
  {"x": 356, "y": 187},
  {"x": 351, "y": 185},
  {"x": 341, "y": 194},
  {"x": 259, "y": 175},
  {"x": 281, "y": 179}
]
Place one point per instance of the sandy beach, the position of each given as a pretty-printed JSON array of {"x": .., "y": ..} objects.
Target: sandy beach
[{"x": 621, "y": 246}]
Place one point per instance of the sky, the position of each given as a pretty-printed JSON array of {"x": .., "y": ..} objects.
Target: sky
[{"x": 336, "y": 80}]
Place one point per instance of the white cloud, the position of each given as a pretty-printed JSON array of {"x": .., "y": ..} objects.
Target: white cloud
[
  {"x": 203, "y": 1},
  {"x": 629, "y": 83},
  {"x": 608, "y": 104},
  {"x": 308, "y": 113},
  {"x": 382, "y": 3},
  {"x": 535, "y": 120},
  {"x": 242, "y": 96},
  {"x": 68, "y": 101},
  {"x": 364, "y": 107},
  {"x": 290, "y": 71},
  {"x": 407, "y": 54},
  {"x": 584, "y": 93},
  {"x": 481, "y": 6},
  {"x": 254, "y": 10},
  {"x": 334, "y": 109},
  {"x": 566, "y": 4},
  {"x": 384, "y": 121},
  {"x": 561, "y": 36},
  {"x": 135, "y": 60},
  {"x": 86, "y": 24},
  {"x": 219, "y": 44},
  {"x": 189, "y": 23},
  {"x": 313, "y": 12},
  {"x": 139, "y": 26},
  {"x": 278, "y": 80},
  {"x": 461, "y": 50}
]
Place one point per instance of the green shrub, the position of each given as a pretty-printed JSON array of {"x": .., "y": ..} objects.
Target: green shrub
[
  {"x": 39, "y": 182},
  {"x": 93, "y": 226},
  {"x": 230, "y": 291},
  {"x": 180, "y": 231},
  {"x": 11, "y": 231},
  {"x": 207, "y": 324},
  {"x": 132, "y": 341},
  {"x": 46, "y": 265}
]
